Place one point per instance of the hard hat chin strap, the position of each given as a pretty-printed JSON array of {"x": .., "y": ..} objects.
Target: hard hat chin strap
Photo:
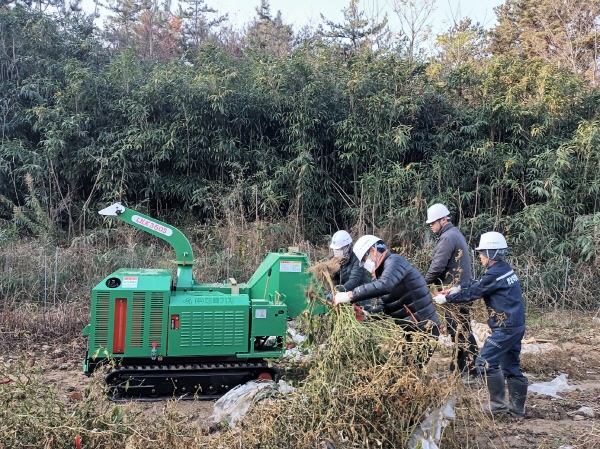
[{"x": 497, "y": 252}]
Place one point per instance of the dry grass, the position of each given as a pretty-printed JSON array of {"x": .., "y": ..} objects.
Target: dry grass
[
  {"x": 47, "y": 275},
  {"x": 325, "y": 270},
  {"x": 364, "y": 389},
  {"x": 32, "y": 415},
  {"x": 589, "y": 440},
  {"x": 25, "y": 326},
  {"x": 552, "y": 363}
]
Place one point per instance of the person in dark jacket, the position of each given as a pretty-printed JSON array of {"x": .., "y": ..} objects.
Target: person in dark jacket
[
  {"x": 451, "y": 265},
  {"x": 499, "y": 359},
  {"x": 350, "y": 274},
  {"x": 399, "y": 286}
]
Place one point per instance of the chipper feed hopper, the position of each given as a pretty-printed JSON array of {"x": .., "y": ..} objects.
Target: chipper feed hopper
[{"x": 165, "y": 335}]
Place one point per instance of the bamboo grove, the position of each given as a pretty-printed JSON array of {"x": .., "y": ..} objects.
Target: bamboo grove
[{"x": 313, "y": 126}]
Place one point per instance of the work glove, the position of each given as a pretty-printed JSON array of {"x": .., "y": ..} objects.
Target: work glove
[
  {"x": 439, "y": 299},
  {"x": 341, "y": 297},
  {"x": 454, "y": 290},
  {"x": 329, "y": 297}
]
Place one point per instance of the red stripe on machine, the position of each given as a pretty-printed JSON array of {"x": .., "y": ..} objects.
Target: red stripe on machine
[{"x": 120, "y": 326}]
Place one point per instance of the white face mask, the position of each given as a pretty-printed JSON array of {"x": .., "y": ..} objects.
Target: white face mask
[
  {"x": 369, "y": 265},
  {"x": 338, "y": 252}
]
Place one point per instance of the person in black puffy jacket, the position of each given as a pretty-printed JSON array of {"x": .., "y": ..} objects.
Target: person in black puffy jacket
[
  {"x": 399, "y": 286},
  {"x": 499, "y": 358}
]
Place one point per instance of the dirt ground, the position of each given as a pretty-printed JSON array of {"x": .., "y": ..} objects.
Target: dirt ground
[
  {"x": 549, "y": 422},
  {"x": 572, "y": 342}
]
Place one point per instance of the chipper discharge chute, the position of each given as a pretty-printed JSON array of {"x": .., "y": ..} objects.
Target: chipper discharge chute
[{"x": 166, "y": 338}]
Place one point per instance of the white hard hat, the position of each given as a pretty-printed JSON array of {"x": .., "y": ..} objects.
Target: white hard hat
[
  {"x": 436, "y": 212},
  {"x": 363, "y": 245},
  {"x": 340, "y": 239},
  {"x": 492, "y": 240}
]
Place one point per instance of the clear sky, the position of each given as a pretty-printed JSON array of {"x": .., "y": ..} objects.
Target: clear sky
[{"x": 308, "y": 12}]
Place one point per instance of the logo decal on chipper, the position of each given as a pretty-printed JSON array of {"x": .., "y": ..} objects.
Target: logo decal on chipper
[
  {"x": 130, "y": 282},
  {"x": 152, "y": 225},
  {"x": 288, "y": 266}
]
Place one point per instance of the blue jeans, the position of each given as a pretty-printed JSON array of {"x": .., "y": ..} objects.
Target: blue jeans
[{"x": 502, "y": 350}]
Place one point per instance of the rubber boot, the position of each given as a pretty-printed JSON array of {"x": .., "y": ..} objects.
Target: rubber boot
[
  {"x": 517, "y": 393},
  {"x": 497, "y": 389}
]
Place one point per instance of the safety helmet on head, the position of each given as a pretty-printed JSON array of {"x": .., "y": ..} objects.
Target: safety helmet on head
[
  {"x": 436, "y": 212},
  {"x": 340, "y": 239},
  {"x": 492, "y": 240},
  {"x": 492, "y": 245},
  {"x": 363, "y": 245}
]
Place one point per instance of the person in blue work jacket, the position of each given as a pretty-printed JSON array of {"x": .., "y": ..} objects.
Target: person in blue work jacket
[{"x": 499, "y": 358}]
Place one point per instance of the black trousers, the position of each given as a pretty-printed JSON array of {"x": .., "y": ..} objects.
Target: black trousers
[{"x": 458, "y": 322}]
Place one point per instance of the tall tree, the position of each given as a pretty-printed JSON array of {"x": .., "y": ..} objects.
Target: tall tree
[
  {"x": 158, "y": 31},
  {"x": 563, "y": 32},
  {"x": 415, "y": 23},
  {"x": 269, "y": 34},
  {"x": 149, "y": 27},
  {"x": 119, "y": 24},
  {"x": 463, "y": 43},
  {"x": 356, "y": 32},
  {"x": 199, "y": 21}
]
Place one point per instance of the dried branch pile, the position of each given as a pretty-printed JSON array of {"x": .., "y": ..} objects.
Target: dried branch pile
[{"x": 364, "y": 389}]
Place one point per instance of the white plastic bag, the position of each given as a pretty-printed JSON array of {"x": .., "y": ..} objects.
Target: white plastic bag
[
  {"x": 429, "y": 432},
  {"x": 296, "y": 337},
  {"x": 234, "y": 404},
  {"x": 552, "y": 387}
]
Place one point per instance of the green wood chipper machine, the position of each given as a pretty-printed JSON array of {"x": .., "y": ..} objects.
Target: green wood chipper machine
[{"x": 161, "y": 334}]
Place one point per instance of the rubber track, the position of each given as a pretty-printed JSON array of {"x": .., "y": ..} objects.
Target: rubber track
[{"x": 122, "y": 374}]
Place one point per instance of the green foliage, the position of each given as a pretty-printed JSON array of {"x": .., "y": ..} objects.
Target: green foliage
[
  {"x": 363, "y": 139},
  {"x": 357, "y": 32},
  {"x": 562, "y": 32},
  {"x": 33, "y": 217},
  {"x": 268, "y": 35}
]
